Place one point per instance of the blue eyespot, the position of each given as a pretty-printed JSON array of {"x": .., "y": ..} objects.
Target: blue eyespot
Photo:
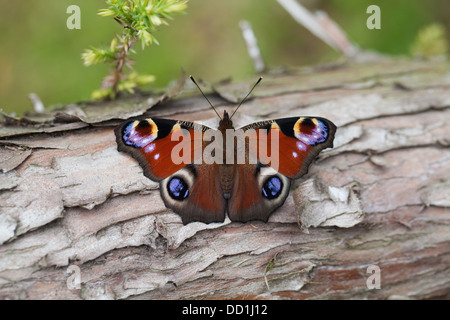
[
  {"x": 139, "y": 135},
  {"x": 319, "y": 134},
  {"x": 178, "y": 189},
  {"x": 127, "y": 133},
  {"x": 272, "y": 188}
]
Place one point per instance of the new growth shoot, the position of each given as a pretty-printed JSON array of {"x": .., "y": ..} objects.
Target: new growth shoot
[{"x": 139, "y": 20}]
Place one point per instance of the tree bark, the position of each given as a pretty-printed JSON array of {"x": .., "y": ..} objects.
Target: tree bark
[{"x": 370, "y": 220}]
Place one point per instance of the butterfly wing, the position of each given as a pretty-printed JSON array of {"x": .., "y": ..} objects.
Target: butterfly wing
[
  {"x": 190, "y": 190},
  {"x": 296, "y": 140},
  {"x": 261, "y": 188},
  {"x": 151, "y": 142},
  {"x": 194, "y": 193},
  {"x": 257, "y": 192}
]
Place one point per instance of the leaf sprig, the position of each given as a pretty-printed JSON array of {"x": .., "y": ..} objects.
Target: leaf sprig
[{"x": 140, "y": 19}]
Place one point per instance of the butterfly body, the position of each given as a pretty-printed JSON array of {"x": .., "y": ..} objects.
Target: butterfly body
[{"x": 245, "y": 173}]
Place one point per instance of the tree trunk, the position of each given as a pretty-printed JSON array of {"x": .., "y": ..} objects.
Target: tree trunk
[{"x": 79, "y": 220}]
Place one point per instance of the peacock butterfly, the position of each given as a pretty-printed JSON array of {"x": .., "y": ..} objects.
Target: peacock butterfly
[{"x": 204, "y": 173}]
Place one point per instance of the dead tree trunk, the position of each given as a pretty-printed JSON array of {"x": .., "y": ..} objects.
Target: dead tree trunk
[{"x": 78, "y": 220}]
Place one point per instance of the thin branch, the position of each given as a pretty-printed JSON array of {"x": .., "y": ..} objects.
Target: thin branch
[
  {"x": 252, "y": 45},
  {"x": 321, "y": 26}
]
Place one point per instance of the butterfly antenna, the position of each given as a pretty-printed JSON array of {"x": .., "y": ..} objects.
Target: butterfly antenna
[
  {"x": 259, "y": 80},
  {"x": 193, "y": 80}
]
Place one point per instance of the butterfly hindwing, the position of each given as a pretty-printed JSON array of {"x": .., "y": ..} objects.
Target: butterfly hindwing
[
  {"x": 194, "y": 192},
  {"x": 258, "y": 191}
]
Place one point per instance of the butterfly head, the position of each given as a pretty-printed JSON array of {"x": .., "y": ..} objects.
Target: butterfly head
[{"x": 225, "y": 122}]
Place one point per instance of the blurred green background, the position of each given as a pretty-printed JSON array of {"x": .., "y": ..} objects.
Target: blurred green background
[{"x": 39, "y": 54}]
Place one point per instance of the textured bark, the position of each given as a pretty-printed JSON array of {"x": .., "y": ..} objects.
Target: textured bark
[{"x": 70, "y": 202}]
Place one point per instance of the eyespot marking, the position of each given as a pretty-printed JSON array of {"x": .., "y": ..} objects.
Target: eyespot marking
[
  {"x": 178, "y": 189},
  {"x": 311, "y": 131},
  {"x": 272, "y": 188},
  {"x": 138, "y": 134}
]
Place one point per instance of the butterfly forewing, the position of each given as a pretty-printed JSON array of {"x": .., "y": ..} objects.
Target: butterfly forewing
[
  {"x": 297, "y": 142},
  {"x": 152, "y": 141}
]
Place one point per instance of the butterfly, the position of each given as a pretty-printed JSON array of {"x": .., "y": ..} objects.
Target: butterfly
[{"x": 205, "y": 174}]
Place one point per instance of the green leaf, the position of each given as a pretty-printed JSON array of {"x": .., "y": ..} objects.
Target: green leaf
[
  {"x": 430, "y": 41},
  {"x": 102, "y": 93}
]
